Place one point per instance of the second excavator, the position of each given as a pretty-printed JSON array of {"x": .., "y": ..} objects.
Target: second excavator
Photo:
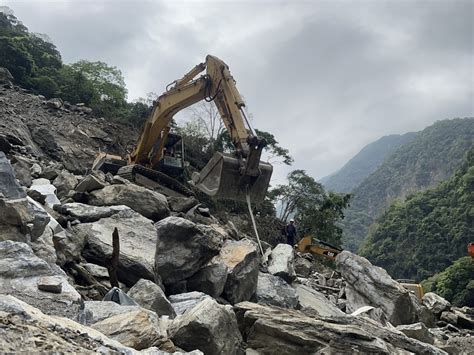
[{"x": 231, "y": 176}]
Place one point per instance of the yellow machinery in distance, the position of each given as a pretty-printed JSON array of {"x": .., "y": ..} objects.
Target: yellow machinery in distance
[
  {"x": 308, "y": 244},
  {"x": 226, "y": 175},
  {"x": 314, "y": 246}
]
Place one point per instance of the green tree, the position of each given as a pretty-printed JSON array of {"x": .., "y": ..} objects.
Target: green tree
[
  {"x": 455, "y": 283},
  {"x": 316, "y": 212},
  {"x": 108, "y": 85}
]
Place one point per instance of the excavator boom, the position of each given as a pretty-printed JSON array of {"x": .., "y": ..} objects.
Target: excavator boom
[{"x": 226, "y": 175}]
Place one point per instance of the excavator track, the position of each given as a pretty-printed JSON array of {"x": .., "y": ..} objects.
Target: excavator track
[{"x": 128, "y": 172}]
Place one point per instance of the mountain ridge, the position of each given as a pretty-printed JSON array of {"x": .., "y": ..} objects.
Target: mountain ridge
[
  {"x": 432, "y": 157},
  {"x": 365, "y": 162}
]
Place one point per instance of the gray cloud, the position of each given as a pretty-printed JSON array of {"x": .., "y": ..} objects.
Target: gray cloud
[{"x": 326, "y": 77}]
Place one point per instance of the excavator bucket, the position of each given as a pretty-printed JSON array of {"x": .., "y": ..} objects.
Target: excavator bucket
[{"x": 221, "y": 178}]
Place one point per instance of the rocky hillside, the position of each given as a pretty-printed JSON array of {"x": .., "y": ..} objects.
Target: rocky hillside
[
  {"x": 365, "y": 162},
  {"x": 57, "y": 131},
  {"x": 185, "y": 282},
  {"x": 433, "y": 156}
]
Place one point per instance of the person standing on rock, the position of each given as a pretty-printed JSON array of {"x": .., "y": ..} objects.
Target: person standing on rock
[{"x": 290, "y": 232}]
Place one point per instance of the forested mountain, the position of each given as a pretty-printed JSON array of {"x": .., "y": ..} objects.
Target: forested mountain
[
  {"x": 365, "y": 162},
  {"x": 429, "y": 231},
  {"x": 431, "y": 157},
  {"x": 36, "y": 64}
]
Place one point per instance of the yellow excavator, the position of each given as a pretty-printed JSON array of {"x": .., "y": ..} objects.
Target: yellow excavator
[
  {"x": 314, "y": 246},
  {"x": 159, "y": 154}
]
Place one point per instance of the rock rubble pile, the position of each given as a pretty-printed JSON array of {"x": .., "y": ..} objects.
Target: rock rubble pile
[{"x": 194, "y": 285}]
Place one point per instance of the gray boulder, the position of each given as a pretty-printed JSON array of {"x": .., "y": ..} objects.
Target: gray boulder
[
  {"x": 138, "y": 329},
  {"x": 96, "y": 311},
  {"x": 210, "y": 279},
  {"x": 209, "y": 327},
  {"x": 369, "y": 285},
  {"x": 20, "y": 273},
  {"x": 310, "y": 298},
  {"x": 150, "y": 296},
  {"x": 181, "y": 204},
  {"x": 274, "y": 330},
  {"x": 281, "y": 262},
  {"x": 242, "y": 261},
  {"x": 274, "y": 291},
  {"x": 50, "y": 172},
  {"x": 183, "y": 302},
  {"x": 54, "y": 103},
  {"x": 9, "y": 187},
  {"x": 87, "y": 213},
  {"x": 417, "y": 331},
  {"x": 64, "y": 183},
  {"x": 435, "y": 303},
  {"x": 303, "y": 267},
  {"x": 29, "y": 331},
  {"x": 149, "y": 204},
  {"x": 46, "y": 189},
  {"x": 90, "y": 183},
  {"x": 137, "y": 237},
  {"x": 43, "y": 247},
  {"x": 5, "y": 76},
  {"x": 183, "y": 248}
]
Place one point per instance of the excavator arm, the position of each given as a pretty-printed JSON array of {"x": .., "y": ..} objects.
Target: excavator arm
[{"x": 225, "y": 176}]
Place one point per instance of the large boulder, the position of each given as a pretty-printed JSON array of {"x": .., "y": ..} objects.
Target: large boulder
[
  {"x": 274, "y": 330},
  {"x": 310, "y": 298},
  {"x": 64, "y": 183},
  {"x": 24, "y": 218},
  {"x": 417, "y": 331},
  {"x": 90, "y": 183},
  {"x": 281, "y": 262},
  {"x": 43, "y": 247},
  {"x": 182, "y": 204},
  {"x": 46, "y": 189},
  {"x": 274, "y": 291},
  {"x": 435, "y": 303},
  {"x": 303, "y": 267},
  {"x": 29, "y": 331},
  {"x": 96, "y": 311},
  {"x": 20, "y": 220},
  {"x": 5, "y": 76},
  {"x": 210, "y": 279},
  {"x": 138, "y": 329},
  {"x": 150, "y": 296},
  {"x": 209, "y": 327},
  {"x": 369, "y": 285},
  {"x": 9, "y": 187},
  {"x": 242, "y": 261},
  {"x": 137, "y": 238},
  {"x": 183, "y": 302},
  {"x": 20, "y": 273},
  {"x": 183, "y": 247},
  {"x": 87, "y": 213},
  {"x": 150, "y": 204}
]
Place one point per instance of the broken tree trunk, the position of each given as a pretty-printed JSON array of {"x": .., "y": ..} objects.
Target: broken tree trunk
[{"x": 114, "y": 259}]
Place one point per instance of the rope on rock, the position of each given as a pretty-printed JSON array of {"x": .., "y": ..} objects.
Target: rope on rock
[{"x": 253, "y": 220}]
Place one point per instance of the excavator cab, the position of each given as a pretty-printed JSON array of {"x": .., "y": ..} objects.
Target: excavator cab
[
  {"x": 222, "y": 178},
  {"x": 172, "y": 163}
]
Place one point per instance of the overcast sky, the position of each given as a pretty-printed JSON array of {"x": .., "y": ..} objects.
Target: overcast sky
[{"x": 326, "y": 77}]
